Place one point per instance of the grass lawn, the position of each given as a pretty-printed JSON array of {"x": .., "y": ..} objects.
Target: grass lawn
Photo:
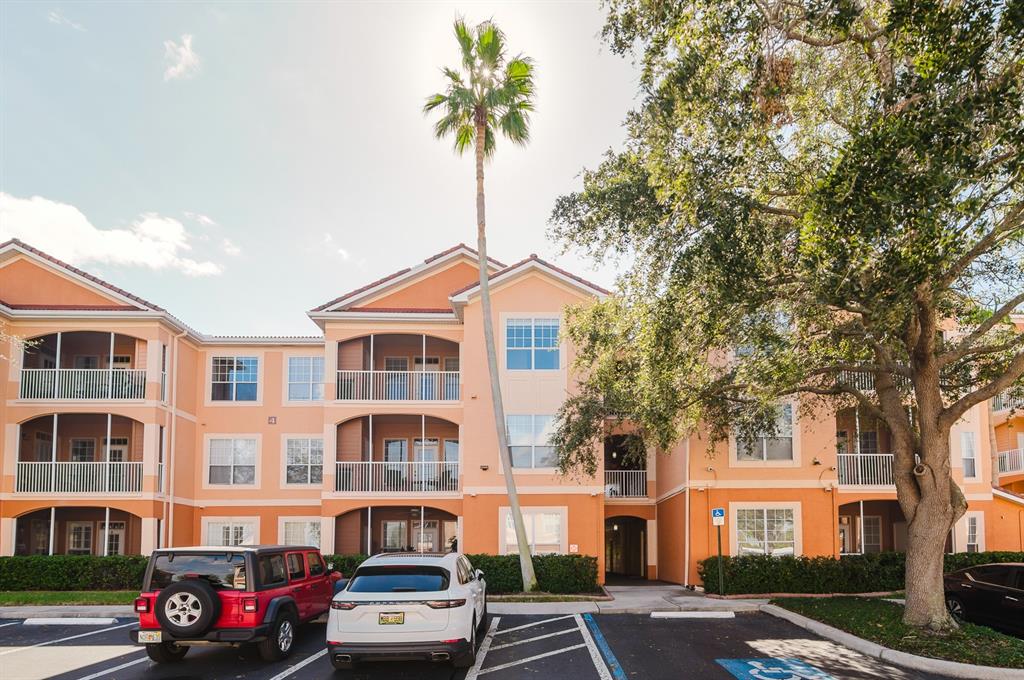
[
  {"x": 546, "y": 597},
  {"x": 880, "y": 621},
  {"x": 9, "y": 598}
]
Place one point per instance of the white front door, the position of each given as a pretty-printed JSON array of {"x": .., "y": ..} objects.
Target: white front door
[
  {"x": 427, "y": 541},
  {"x": 115, "y": 540}
]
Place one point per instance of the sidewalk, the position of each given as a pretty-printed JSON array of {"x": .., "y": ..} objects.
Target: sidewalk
[
  {"x": 633, "y": 600},
  {"x": 68, "y": 611}
]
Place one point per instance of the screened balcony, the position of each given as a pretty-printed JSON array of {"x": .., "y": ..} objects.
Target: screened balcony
[
  {"x": 623, "y": 478},
  {"x": 84, "y": 365},
  {"x": 398, "y": 367},
  {"x": 863, "y": 445}
]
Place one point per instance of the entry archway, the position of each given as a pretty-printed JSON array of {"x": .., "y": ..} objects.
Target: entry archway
[{"x": 625, "y": 548}]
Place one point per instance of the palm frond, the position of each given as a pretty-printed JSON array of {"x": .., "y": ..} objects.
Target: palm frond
[
  {"x": 465, "y": 37},
  {"x": 465, "y": 138},
  {"x": 489, "y": 142},
  {"x": 490, "y": 45},
  {"x": 433, "y": 101},
  {"x": 515, "y": 125}
]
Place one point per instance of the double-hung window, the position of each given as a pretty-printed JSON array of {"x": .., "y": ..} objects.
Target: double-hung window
[
  {"x": 764, "y": 448},
  {"x": 305, "y": 378},
  {"x": 969, "y": 455},
  {"x": 232, "y": 461},
  {"x": 545, "y": 531},
  {"x": 79, "y": 538},
  {"x": 234, "y": 378},
  {"x": 304, "y": 460},
  {"x": 301, "y": 532},
  {"x": 531, "y": 344},
  {"x": 765, "y": 531},
  {"x": 231, "y": 533},
  {"x": 529, "y": 441},
  {"x": 83, "y": 450},
  {"x": 972, "y": 534}
]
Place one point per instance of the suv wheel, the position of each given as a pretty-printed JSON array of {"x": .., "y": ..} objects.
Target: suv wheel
[
  {"x": 187, "y": 608},
  {"x": 468, "y": 659},
  {"x": 166, "y": 652},
  {"x": 281, "y": 640}
]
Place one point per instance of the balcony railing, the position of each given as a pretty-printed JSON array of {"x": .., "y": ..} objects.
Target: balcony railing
[
  {"x": 1005, "y": 402},
  {"x": 398, "y": 385},
  {"x": 1011, "y": 462},
  {"x": 625, "y": 483},
  {"x": 866, "y": 469},
  {"x": 398, "y": 477},
  {"x": 78, "y": 477},
  {"x": 83, "y": 383}
]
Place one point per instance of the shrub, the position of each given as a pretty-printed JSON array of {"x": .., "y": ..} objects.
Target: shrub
[
  {"x": 873, "y": 572},
  {"x": 346, "y": 564},
  {"x": 563, "y": 574},
  {"x": 72, "y": 572}
]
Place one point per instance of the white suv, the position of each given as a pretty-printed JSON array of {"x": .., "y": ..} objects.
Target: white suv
[{"x": 408, "y": 606}]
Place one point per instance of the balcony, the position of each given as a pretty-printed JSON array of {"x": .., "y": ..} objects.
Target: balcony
[
  {"x": 397, "y": 477},
  {"x": 1011, "y": 462},
  {"x": 625, "y": 484},
  {"x": 436, "y": 386},
  {"x": 83, "y": 383},
  {"x": 866, "y": 469},
  {"x": 1006, "y": 402},
  {"x": 78, "y": 477}
]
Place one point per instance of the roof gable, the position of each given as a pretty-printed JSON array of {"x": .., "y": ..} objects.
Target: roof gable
[{"x": 532, "y": 264}]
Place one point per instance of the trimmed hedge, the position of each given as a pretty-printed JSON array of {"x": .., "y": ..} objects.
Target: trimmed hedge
[
  {"x": 563, "y": 574},
  {"x": 876, "y": 572}
]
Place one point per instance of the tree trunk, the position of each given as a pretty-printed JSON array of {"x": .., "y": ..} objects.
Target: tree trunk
[{"x": 525, "y": 560}]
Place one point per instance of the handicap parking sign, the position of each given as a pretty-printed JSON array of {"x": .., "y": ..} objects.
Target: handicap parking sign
[
  {"x": 717, "y": 516},
  {"x": 773, "y": 669}
]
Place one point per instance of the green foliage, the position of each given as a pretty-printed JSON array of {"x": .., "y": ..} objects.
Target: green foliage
[
  {"x": 869, "y": 573},
  {"x": 563, "y": 574},
  {"x": 346, "y": 564},
  {"x": 72, "y": 572}
]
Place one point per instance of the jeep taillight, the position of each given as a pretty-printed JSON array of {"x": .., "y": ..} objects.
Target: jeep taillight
[
  {"x": 142, "y": 604},
  {"x": 445, "y": 604},
  {"x": 343, "y": 605},
  {"x": 250, "y": 605}
]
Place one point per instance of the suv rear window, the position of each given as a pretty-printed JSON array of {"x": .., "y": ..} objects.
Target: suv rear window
[
  {"x": 399, "y": 579},
  {"x": 220, "y": 570}
]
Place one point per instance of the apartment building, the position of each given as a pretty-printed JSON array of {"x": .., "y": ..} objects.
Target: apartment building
[{"x": 125, "y": 430}]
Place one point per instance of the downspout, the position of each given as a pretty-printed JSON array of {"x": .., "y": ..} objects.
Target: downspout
[
  {"x": 169, "y": 503},
  {"x": 686, "y": 521}
]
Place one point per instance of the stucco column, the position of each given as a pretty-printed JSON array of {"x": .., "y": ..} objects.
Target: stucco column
[
  {"x": 150, "y": 452},
  {"x": 154, "y": 349},
  {"x": 327, "y": 535},
  {"x": 10, "y": 449},
  {"x": 652, "y": 548},
  {"x": 330, "y": 456},
  {"x": 149, "y": 537},
  {"x": 7, "y": 528}
]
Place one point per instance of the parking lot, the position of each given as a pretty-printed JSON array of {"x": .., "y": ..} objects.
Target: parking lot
[{"x": 574, "y": 647}]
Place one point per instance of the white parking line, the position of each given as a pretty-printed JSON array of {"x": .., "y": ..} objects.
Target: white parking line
[
  {"x": 693, "y": 615},
  {"x": 84, "y": 621},
  {"x": 12, "y": 623},
  {"x": 302, "y": 664},
  {"x": 519, "y": 662},
  {"x": 535, "y": 623},
  {"x": 485, "y": 647},
  {"x": 595, "y": 654},
  {"x": 108, "y": 671},
  {"x": 533, "y": 639},
  {"x": 65, "y": 639}
]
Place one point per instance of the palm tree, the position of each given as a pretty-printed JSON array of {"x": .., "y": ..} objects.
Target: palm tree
[{"x": 487, "y": 95}]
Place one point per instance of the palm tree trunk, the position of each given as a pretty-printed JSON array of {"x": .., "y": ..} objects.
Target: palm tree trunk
[{"x": 525, "y": 561}]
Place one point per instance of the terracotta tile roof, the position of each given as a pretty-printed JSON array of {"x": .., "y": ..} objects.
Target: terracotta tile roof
[
  {"x": 85, "y": 275},
  {"x": 374, "y": 284},
  {"x": 402, "y": 310},
  {"x": 533, "y": 257},
  {"x": 76, "y": 308}
]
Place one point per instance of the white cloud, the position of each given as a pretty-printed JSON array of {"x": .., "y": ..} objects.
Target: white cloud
[
  {"x": 62, "y": 230},
  {"x": 181, "y": 61},
  {"x": 231, "y": 249},
  {"x": 344, "y": 253},
  {"x": 55, "y": 16},
  {"x": 201, "y": 219},
  {"x": 329, "y": 242}
]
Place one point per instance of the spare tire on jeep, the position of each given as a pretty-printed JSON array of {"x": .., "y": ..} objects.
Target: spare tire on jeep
[{"x": 187, "y": 608}]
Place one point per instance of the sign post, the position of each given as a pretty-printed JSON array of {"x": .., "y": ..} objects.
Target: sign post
[{"x": 717, "y": 520}]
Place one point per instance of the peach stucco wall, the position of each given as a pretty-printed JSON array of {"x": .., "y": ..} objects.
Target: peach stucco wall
[
  {"x": 428, "y": 293},
  {"x": 23, "y": 282}
]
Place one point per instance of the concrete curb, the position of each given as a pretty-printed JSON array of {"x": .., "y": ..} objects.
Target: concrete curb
[
  {"x": 67, "y": 611},
  {"x": 912, "y": 661}
]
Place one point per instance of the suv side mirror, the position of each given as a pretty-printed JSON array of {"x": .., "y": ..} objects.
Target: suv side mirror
[{"x": 478, "y": 574}]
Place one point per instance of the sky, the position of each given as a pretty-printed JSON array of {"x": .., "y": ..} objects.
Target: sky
[{"x": 240, "y": 163}]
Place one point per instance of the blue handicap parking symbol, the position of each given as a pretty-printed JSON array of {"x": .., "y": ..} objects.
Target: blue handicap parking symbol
[
  {"x": 718, "y": 512},
  {"x": 773, "y": 669}
]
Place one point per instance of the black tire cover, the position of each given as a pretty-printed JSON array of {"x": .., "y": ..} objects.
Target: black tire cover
[{"x": 208, "y": 601}]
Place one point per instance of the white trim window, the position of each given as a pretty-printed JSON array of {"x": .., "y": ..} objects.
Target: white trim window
[
  {"x": 872, "y": 534},
  {"x": 83, "y": 450},
  {"x": 305, "y": 378},
  {"x": 394, "y": 535},
  {"x": 80, "y": 538},
  {"x": 300, "y": 532},
  {"x": 532, "y": 344},
  {"x": 234, "y": 379},
  {"x": 529, "y": 441},
  {"x": 969, "y": 455},
  {"x": 973, "y": 545},
  {"x": 232, "y": 462},
  {"x": 230, "y": 533},
  {"x": 545, "y": 531},
  {"x": 304, "y": 460},
  {"x": 765, "y": 531},
  {"x": 764, "y": 448}
]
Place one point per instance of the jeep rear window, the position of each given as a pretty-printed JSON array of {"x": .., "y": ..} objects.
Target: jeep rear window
[
  {"x": 399, "y": 579},
  {"x": 220, "y": 570}
]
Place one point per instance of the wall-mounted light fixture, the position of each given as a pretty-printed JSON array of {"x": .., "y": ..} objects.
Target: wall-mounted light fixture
[{"x": 485, "y": 467}]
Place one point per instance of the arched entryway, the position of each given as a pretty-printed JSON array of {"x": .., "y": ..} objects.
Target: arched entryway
[
  {"x": 85, "y": 530},
  {"x": 625, "y": 548},
  {"x": 398, "y": 528}
]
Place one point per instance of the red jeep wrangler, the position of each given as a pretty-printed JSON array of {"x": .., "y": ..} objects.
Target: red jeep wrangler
[{"x": 231, "y": 596}]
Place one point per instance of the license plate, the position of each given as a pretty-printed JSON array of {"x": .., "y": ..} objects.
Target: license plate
[
  {"x": 148, "y": 636},
  {"x": 391, "y": 619}
]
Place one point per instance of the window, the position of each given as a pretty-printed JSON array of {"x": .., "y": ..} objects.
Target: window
[
  {"x": 969, "y": 454},
  {"x": 44, "y": 446},
  {"x": 393, "y": 535},
  {"x": 872, "y": 534},
  {"x": 779, "y": 447},
  {"x": 234, "y": 378},
  {"x": 218, "y": 570},
  {"x": 868, "y": 442},
  {"x": 545, "y": 531},
  {"x": 529, "y": 441},
  {"x": 531, "y": 344},
  {"x": 115, "y": 537},
  {"x": 296, "y": 567},
  {"x": 304, "y": 461},
  {"x": 272, "y": 569},
  {"x": 316, "y": 564},
  {"x": 396, "y": 380},
  {"x": 83, "y": 450},
  {"x": 424, "y": 449},
  {"x": 87, "y": 362},
  {"x": 231, "y": 533},
  {"x": 79, "y": 538},
  {"x": 301, "y": 532},
  {"x": 972, "y": 534},
  {"x": 451, "y": 450},
  {"x": 232, "y": 461},
  {"x": 400, "y": 579},
  {"x": 305, "y": 378},
  {"x": 163, "y": 372},
  {"x": 765, "y": 531},
  {"x": 160, "y": 461},
  {"x": 122, "y": 362},
  {"x": 396, "y": 450}
]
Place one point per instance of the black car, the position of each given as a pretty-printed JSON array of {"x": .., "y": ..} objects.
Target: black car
[{"x": 991, "y": 594}]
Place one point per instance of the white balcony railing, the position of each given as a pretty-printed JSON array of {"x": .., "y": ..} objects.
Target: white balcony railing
[
  {"x": 1011, "y": 462},
  {"x": 83, "y": 383},
  {"x": 625, "y": 483},
  {"x": 400, "y": 477},
  {"x": 398, "y": 385},
  {"x": 1005, "y": 402},
  {"x": 78, "y": 477},
  {"x": 866, "y": 469}
]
